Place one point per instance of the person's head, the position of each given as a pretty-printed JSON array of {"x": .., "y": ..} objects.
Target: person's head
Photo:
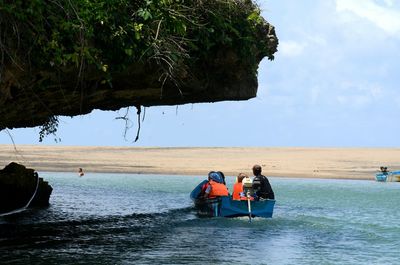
[
  {"x": 240, "y": 177},
  {"x": 215, "y": 176},
  {"x": 257, "y": 170},
  {"x": 221, "y": 174}
]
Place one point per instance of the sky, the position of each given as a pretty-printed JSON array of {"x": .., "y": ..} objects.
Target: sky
[{"x": 333, "y": 83}]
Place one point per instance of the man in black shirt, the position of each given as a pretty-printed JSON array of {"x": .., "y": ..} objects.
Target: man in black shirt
[{"x": 261, "y": 185}]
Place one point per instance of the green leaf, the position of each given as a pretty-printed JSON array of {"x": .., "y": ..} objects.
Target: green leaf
[{"x": 129, "y": 52}]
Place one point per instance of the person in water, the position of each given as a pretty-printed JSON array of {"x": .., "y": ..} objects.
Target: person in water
[
  {"x": 216, "y": 186},
  {"x": 237, "y": 193},
  {"x": 261, "y": 186},
  {"x": 80, "y": 172}
]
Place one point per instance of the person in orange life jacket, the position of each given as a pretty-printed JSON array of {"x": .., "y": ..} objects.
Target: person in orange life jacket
[
  {"x": 205, "y": 186},
  {"x": 261, "y": 185},
  {"x": 238, "y": 188},
  {"x": 216, "y": 187},
  {"x": 237, "y": 193}
]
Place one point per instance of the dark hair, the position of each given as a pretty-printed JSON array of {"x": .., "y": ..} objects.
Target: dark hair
[
  {"x": 240, "y": 177},
  {"x": 257, "y": 169},
  {"x": 222, "y": 175}
]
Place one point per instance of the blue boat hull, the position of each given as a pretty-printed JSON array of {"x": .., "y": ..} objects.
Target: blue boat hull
[
  {"x": 388, "y": 176},
  {"x": 381, "y": 177},
  {"x": 224, "y": 206}
]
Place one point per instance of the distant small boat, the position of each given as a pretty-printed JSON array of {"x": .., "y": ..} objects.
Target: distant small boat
[
  {"x": 390, "y": 176},
  {"x": 381, "y": 177},
  {"x": 225, "y": 206}
]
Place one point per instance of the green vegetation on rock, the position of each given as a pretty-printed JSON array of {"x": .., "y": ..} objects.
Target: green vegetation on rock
[
  {"x": 114, "y": 34},
  {"x": 46, "y": 44}
]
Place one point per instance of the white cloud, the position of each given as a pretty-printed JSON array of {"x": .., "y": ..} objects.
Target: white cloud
[
  {"x": 354, "y": 100},
  {"x": 310, "y": 42},
  {"x": 383, "y": 16},
  {"x": 397, "y": 100},
  {"x": 315, "y": 94},
  {"x": 359, "y": 95},
  {"x": 291, "y": 48},
  {"x": 389, "y": 3},
  {"x": 374, "y": 90},
  {"x": 317, "y": 40}
]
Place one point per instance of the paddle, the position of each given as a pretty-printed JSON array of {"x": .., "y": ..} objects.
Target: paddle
[
  {"x": 247, "y": 187},
  {"x": 249, "y": 205}
]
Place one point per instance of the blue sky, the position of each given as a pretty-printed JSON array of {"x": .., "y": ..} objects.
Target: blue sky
[{"x": 333, "y": 83}]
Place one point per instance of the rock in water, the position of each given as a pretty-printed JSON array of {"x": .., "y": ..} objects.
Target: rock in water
[{"x": 18, "y": 185}]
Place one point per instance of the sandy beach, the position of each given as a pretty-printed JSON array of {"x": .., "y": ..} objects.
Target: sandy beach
[{"x": 351, "y": 163}]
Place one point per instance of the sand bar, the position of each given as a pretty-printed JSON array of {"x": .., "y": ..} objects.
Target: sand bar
[{"x": 351, "y": 163}]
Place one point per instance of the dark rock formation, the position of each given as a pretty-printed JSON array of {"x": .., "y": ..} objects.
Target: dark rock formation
[
  {"x": 17, "y": 186},
  {"x": 212, "y": 58}
]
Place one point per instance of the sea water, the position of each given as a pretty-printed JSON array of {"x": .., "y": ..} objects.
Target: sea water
[{"x": 149, "y": 219}]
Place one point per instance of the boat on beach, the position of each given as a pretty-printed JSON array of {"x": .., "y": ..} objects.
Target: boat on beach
[
  {"x": 389, "y": 176},
  {"x": 225, "y": 206},
  {"x": 381, "y": 177}
]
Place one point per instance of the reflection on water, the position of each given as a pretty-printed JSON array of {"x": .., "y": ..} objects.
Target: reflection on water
[{"x": 136, "y": 219}]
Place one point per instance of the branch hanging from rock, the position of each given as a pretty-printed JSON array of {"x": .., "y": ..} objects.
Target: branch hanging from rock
[{"x": 128, "y": 121}]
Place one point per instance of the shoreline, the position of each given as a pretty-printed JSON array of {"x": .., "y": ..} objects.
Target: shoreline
[{"x": 291, "y": 162}]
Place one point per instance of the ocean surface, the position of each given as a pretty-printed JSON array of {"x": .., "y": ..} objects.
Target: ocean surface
[{"x": 149, "y": 219}]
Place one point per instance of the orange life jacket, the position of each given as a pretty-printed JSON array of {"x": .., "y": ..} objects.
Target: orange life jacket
[
  {"x": 237, "y": 189},
  {"x": 217, "y": 189}
]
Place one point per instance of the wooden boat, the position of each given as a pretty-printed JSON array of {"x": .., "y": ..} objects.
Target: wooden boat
[
  {"x": 224, "y": 206},
  {"x": 390, "y": 176}
]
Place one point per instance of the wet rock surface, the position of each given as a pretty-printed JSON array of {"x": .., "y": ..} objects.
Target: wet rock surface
[{"x": 18, "y": 185}]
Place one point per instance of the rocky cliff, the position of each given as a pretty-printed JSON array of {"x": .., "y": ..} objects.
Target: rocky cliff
[
  {"x": 68, "y": 58},
  {"x": 20, "y": 187}
]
